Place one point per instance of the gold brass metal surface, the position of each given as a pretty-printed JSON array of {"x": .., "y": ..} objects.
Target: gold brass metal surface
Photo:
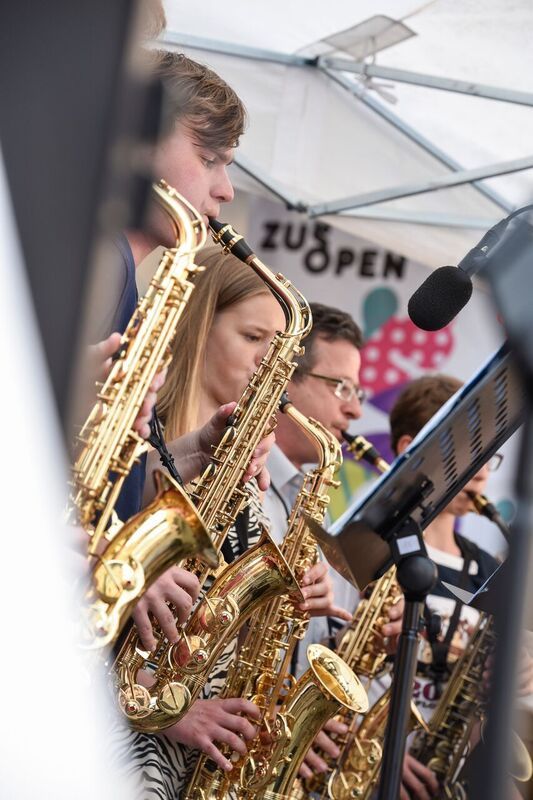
[
  {"x": 127, "y": 558},
  {"x": 261, "y": 671},
  {"x": 219, "y": 496}
]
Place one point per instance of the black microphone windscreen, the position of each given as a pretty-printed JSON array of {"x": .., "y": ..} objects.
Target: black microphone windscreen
[{"x": 440, "y": 298}]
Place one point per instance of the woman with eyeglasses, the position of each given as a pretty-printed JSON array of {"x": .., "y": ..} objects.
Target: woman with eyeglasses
[{"x": 460, "y": 562}]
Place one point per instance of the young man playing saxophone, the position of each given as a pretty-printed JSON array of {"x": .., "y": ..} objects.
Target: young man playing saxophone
[{"x": 453, "y": 554}]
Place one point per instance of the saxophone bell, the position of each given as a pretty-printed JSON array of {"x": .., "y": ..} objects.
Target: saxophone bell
[
  {"x": 149, "y": 543},
  {"x": 327, "y": 686},
  {"x": 250, "y": 581}
]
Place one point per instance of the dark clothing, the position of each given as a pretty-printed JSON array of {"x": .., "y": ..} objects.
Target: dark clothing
[
  {"x": 130, "y": 498},
  {"x": 126, "y": 280},
  {"x": 430, "y": 680}
]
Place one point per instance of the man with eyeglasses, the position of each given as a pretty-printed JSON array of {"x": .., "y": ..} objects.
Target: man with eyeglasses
[{"x": 325, "y": 386}]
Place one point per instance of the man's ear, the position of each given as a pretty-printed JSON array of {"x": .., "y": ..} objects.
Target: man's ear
[{"x": 403, "y": 443}]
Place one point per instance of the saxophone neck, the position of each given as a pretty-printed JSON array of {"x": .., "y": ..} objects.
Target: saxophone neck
[
  {"x": 189, "y": 228},
  {"x": 328, "y": 448},
  {"x": 295, "y": 306}
]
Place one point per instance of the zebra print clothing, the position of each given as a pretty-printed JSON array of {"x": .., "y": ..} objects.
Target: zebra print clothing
[{"x": 160, "y": 768}]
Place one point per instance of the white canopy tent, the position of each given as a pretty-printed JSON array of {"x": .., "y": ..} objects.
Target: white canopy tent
[{"x": 412, "y": 175}]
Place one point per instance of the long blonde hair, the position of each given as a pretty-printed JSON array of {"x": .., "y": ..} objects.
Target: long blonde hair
[{"x": 225, "y": 281}]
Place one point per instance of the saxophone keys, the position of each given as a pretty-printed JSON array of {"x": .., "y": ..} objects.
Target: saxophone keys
[
  {"x": 188, "y": 653},
  {"x": 218, "y": 613},
  {"x": 113, "y": 577},
  {"x": 96, "y": 625},
  {"x": 134, "y": 701},
  {"x": 173, "y": 698},
  {"x": 230, "y": 434}
]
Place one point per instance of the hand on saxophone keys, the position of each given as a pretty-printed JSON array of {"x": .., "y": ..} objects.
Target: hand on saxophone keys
[
  {"x": 97, "y": 367},
  {"x": 313, "y": 763},
  {"x": 176, "y": 586},
  {"x": 193, "y": 451},
  {"x": 418, "y": 782},
  {"x": 392, "y": 629},
  {"x": 257, "y": 466},
  {"x": 317, "y": 589},
  {"x": 219, "y": 721}
]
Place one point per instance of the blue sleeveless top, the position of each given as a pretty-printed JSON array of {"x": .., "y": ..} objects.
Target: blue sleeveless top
[{"x": 130, "y": 498}]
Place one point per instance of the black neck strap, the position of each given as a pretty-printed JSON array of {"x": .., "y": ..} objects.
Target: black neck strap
[
  {"x": 157, "y": 440},
  {"x": 440, "y": 649}
]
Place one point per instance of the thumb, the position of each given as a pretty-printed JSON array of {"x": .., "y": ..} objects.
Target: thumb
[
  {"x": 219, "y": 420},
  {"x": 340, "y": 613}
]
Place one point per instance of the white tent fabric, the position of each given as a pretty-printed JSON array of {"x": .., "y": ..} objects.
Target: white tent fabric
[{"x": 319, "y": 143}]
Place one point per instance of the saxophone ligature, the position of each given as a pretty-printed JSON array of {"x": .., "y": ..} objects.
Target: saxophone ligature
[
  {"x": 128, "y": 557},
  {"x": 181, "y": 669}
]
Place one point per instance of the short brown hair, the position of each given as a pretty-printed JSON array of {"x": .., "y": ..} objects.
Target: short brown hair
[
  {"x": 418, "y": 402},
  {"x": 201, "y": 99},
  {"x": 331, "y": 324}
]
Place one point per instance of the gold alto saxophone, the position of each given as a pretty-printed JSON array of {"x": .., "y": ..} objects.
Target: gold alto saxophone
[
  {"x": 129, "y": 556},
  {"x": 354, "y": 773},
  {"x": 447, "y": 739},
  {"x": 181, "y": 669},
  {"x": 261, "y": 671},
  {"x": 362, "y": 642},
  {"x": 443, "y": 746}
]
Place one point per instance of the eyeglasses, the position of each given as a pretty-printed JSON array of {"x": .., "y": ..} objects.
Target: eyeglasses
[
  {"x": 345, "y": 389},
  {"x": 494, "y": 462}
]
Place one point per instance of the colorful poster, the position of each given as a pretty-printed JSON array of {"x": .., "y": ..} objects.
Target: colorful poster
[{"x": 374, "y": 285}]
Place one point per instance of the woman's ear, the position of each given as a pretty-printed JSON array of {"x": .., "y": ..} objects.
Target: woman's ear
[{"x": 403, "y": 443}]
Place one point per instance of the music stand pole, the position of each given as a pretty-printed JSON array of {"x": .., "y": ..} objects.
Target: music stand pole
[{"x": 417, "y": 575}]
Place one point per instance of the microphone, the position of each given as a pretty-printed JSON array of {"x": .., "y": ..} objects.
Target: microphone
[
  {"x": 440, "y": 298},
  {"x": 447, "y": 290}
]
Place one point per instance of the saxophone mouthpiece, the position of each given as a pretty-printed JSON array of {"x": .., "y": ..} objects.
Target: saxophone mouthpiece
[
  {"x": 363, "y": 450},
  {"x": 226, "y": 235},
  {"x": 284, "y": 401},
  {"x": 482, "y": 505}
]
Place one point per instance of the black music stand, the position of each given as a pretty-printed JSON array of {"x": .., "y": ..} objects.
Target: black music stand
[
  {"x": 509, "y": 270},
  {"x": 385, "y": 526}
]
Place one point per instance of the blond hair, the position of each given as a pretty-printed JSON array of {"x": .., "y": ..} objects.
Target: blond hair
[{"x": 226, "y": 281}]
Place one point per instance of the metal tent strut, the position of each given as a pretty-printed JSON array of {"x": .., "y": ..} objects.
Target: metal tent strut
[{"x": 333, "y": 69}]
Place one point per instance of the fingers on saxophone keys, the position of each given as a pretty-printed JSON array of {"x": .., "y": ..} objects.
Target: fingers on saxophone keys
[
  {"x": 236, "y": 705},
  {"x": 233, "y": 740},
  {"x": 211, "y": 750},
  {"x": 187, "y": 581},
  {"x": 316, "y": 763},
  {"x": 167, "y": 622},
  {"x": 326, "y": 744},
  {"x": 144, "y": 629},
  {"x": 241, "y": 726},
  {"x": 305, "y": 772}
]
